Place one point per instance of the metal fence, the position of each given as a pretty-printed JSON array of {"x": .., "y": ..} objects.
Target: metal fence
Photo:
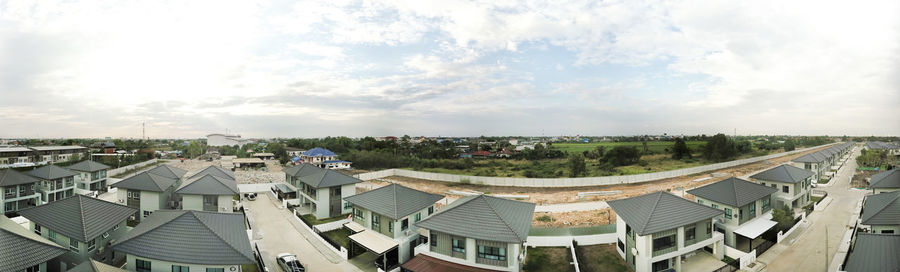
[
  {"x": 259, "y": 259},
  {"x": 731, "y": 266},
  {"x": 572, "y": 182}
]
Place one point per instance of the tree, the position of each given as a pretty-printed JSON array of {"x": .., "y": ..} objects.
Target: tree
[
  {"x": 784, "y": 217},
  {"x": 789, "y": 145},
  {"x": 680, "y": 150},
  {"x": 719, "y": 148},
  {"x": 576, "y": 165},
  {"x": 622, "y": 155}
]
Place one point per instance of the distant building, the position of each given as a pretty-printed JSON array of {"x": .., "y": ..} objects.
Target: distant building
[
  {"x": 319, "y": 189},
  {"x": 18, "y": 191},
  {"x": 226, "y": 140},
  {"x": 514, "y": 141},
  {"x": 317, "y": 156},
  {"x": 887, "y": 181},
  {"x": 481, "y": 154},
  {"x": 294, "y": 152},
  {"x": 22, "y": 156},
  {"x": 264, "y": 156},
  {"x": 91, "y": 175},
  {"x": 56, "y": 182},
  {"x": 337, "y": 164}
]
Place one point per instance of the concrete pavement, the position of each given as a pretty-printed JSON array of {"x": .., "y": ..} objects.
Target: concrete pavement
[
  {"x": 275, "y": 234},
  {"x": 805, "y": 249}
]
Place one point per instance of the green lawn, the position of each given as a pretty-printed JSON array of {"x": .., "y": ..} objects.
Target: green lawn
[
  {"x": 540, "y": 259},
  {"x": 312, "y": 219},
  {"x": 341, "y": 236},
  {"x": 601, "y": 258},
  {"x": 655, "y": 146}
]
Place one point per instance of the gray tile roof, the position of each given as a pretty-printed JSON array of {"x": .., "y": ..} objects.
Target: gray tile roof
[
  {"x": 209, "y": 185},
  {"x": 325, "y": 178},
  {"x": 215, "y": 171},
  {"x": 484, "y": 217},
  {"x": 881, "y": 145},
  {"x": 733, "y": 191},
  {"x": 660, "y": 211},
  {"x": 191, "y": 237},
  {"x": 50, "y": 172},
  {"x": 885, "y": 180},
  {"x": 168, "y": 171},
  {"x": 22, "y": 248},
  {"x": 302, "y": 170},
  {"x": 79, "y": 217},
  {"x": 882, "y": 209},
  {"x": 784, "y": 173},
  {"x": 146, "y": 181},
  {"x": 811, "y": 157},
  {"x": 88, "y": 166},
  {"x": 874, "y": 252},
  {"x": 95, "y": 266},
  {"x": 394, "y": 201},
  {"x": 10, "y": 177}
]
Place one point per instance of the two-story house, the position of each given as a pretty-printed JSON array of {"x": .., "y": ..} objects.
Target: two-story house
[
  {"x": 657, "y": 231},
  {"x": 322, "y": 190},
  {"x": 794, "y": 184},
  {"x": 82, "y": 224},
  {"x": 383, "y": 223},
  {"x": 55, "y": 154},
  {"x": 178, "y": 240},
  {"x": 146, "y": 192},
  {"x": 91, "y": 175},
  {"x": 317, "y": 156},
  {"x": 887, "y": 181},
  {"x": 209, "y": 193},
  {"x": 881, "y": 213},
  {"x": 747, "y": 210},
  {"x": 56, "y": 182},
  {"x": 15, "y": 156},
  {"x": 17, "y": 191},
  {"x": 481, "y": 233},
  {"x": 25, "y": 251},
  {"x": 814, "y": 162}
]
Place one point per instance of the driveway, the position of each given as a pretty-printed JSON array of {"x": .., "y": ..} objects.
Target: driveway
[
  {"x": 276, "y": 235},
  {"x": 805, "y": 249}
]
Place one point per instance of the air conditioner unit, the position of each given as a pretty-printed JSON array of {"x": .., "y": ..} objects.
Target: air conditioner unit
[
  {"x": 121, "y": 201},
  {"x": 406, "y": 233}
]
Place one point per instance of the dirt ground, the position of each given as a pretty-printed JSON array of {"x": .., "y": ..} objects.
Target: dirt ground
[
  {"x": 555, "y": 195},
  {"x": 575, "y": 219},
  {"x": 861, "y": 178},
  {"x": 273, "y": 171}
]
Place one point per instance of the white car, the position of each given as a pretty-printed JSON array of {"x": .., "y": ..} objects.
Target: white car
[{"x": 289, "y": 263}]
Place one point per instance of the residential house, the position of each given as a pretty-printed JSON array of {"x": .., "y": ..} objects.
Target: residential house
[
  {"x": 215, "y": 171},
  {"x": 264, "y": 156},
  {"x": 317, "y": 156},
  {"x": 209, "y": 193},
  {"x": 95, "y": 266},
  {"x": 337, "y": 164},
  {"x": 874, "y": 252},
  {"x": 217, "y": 139},
  {"x": 657, "y": 231},
  {"x": 881, "y": 213},
  {"x": 747, "y": 210},
  {"x": 248, "y": 163},
  {"x": 322, "y": 190},
  {"x": 480, "y": 233},
  {"x": 148, "y": 192},
  {"x": 481, "y": 154},
  {"x": 813, "y": 162},
  {"x": 82, "y": 224},
  {"x": 15, "y": 156},
  {"x": 887, "y": 181},
  {"x": 25, "y": 251},
  {"x": 794, "y": 184},
  {"x": 891, "y": 148},
  {"x": 187, "y": 241},
  {"x": 55, "y": 154},
  {"x": 17, "y": 191},
  {"x": 56, "y": 182},
  {"x": 384, "y": 223},
  {"x": 91, "y": 175},
  {"x": 293, "y": 151}
]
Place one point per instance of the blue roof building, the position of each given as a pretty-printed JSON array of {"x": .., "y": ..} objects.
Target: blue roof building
[{"x": 319, "y": 152}]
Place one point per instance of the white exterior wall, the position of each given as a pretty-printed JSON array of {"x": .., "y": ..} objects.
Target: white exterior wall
[
  {"x": 164, "y": 266},
  {"x": 881, "y": 228},
  {"x": 512, "y": 255},
  {"x": 643, "y": 261},
  {"x": 192, "y": 202},
  {"x": 346, "y": 191},
  {"x": 322, "y": 203},
  {"x": 226, "y": 203},
  {"x": 151, "y": 201}
]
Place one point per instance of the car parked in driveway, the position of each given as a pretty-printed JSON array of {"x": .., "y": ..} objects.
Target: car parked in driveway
[
  {"x": 289, "y": 263},
  {"x": 250, "y": 196}
]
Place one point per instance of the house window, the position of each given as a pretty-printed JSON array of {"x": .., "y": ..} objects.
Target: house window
[
  {"x": 147, "y": 213},
  {"x": 404, "y": 224},
  {"x": 661, "y": 265},
  {"x": 35, "y": 268},
  {"x": 418, "y": 217},
  {"x": 141, "y": 265},
  {"x": 492, "y": 253},
  {"x": 774, "y": 186},
  {"x": 73, "y": 245},
  {"x": 391, "y": 226},
  {"x": 459, "y": 245},
  {"x": 690, "y": 233},
  {"x": 433, "y": 239},
  {"x": 37, "y": 229},
  {"x": 715, "y": 206},
  {"x": 179, "y": 268},
  {"x": 430, "y": 210},
  {"x": 92, "y": 244},
  {"x": 10, "y": 206},
  {"x": 211, "y": 200},
  {"x": 10, "y": 192},
  {"x": 116, "y": 227},
  {"x": 105, "y": 235},
  {"x": 765, "y": 204},
  {"x": 347, "y": 205},
  {"x": 52, "y": 235},
  {"x": 700, "y": 201},
  {"x": 753, "y": 209},
  {"x": 215, "y": 270},
  {"x": 663, "y": 242},
  {"x": 727, "y": 213},
  {"x": 785, "y": 188},
  {"x": 621, "y": 245},
  {"x": 887, "y": 231},
  {"x": 357, "y": 214},
  {"x": 376, "y": 222},
  {"x": 337, "y": 191}
]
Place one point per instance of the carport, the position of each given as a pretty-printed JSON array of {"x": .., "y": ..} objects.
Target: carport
[
  {"x": 385, "y": 248},
  {"x": 750, "y": 235}
]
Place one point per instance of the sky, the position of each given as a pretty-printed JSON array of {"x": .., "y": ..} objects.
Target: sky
[{"x": 448, "y": 68}]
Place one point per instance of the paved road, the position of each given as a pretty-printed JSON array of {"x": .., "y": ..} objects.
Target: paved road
[
  {"x": 277, "y": 235},
  {"x": 804, "y": 250}
]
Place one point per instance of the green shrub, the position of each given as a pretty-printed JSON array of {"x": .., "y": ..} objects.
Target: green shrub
[{"x": 544, "y": 218}]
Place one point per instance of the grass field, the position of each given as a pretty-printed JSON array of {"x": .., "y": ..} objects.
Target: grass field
[
  {"x": 654, "y": 146},
  {"x": 548, "y": 259},
  {"x": 601, "y": 258}
]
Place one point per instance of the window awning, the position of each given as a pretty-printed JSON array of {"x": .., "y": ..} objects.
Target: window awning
[
  {"x": 756, "y": 227},
  {"x": 355, "y": 227},
  {"x": 284, "y": 188},
  {"x": 374, "y": 242}
]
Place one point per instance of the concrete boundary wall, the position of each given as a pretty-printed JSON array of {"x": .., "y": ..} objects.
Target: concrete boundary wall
[
  {"x": 116, "y": 171},
  {"x": 572, "y": 182},
  {"x": 565, "y": 241}
]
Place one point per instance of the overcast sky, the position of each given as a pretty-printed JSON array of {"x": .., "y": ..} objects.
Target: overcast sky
[{"x": 319, "y": 68}]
